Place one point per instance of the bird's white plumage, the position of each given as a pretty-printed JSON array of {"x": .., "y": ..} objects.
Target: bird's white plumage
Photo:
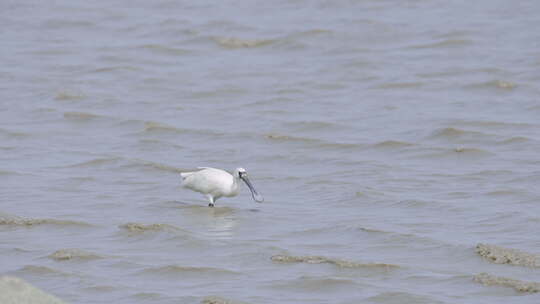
[
  {"x": 211, "y": 181},
  {"x": 215, "y": 183}
]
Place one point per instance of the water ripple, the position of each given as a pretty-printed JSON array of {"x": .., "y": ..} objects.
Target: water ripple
[{"x": 325, "y": 260}]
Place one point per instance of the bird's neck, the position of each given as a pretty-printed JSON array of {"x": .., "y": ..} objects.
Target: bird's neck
[{"x": 235, "y": 184}]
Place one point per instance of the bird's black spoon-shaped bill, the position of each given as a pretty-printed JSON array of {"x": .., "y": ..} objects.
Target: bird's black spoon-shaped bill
[{"x": 256, "y": 196}]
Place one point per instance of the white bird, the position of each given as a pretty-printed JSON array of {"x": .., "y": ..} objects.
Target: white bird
[{"x": 215, "y": 183}]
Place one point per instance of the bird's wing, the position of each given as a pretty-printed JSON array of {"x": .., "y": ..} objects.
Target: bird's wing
[
  {"x": 202, "y": 168},
  {"x": 213, "y": 169},
  {"x": 186, "y": 174}
]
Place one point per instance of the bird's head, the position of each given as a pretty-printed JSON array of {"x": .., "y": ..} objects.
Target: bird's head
[{"x": 242, "y": 174}]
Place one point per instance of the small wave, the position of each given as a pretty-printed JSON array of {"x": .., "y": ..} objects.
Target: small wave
[
  {"x": 446, "y": 73},
  {"x": 514, "y": 140},
  {"x": 67, "y": 23},
  {"x": 329, "y": 86},
  {"x": 219, "y": 300},
  {"x": 155, "y": 127},
  {"x": 101, "y": 288},
  {"x": 501, "y": 255},
  {"x": 340, "y": 146},
  {"x": 400, "y": 297},
  {"x": 504, "y": 193},
  {"x": 492, "y": 124},
  {"x": 399, "y": 237},
  {"x": 522, "y": 286},
  {"x": 313, "y": 32},
  {"x": 40, "y": 270},
  {"x": 454, "y": 133},
  {"x": 15, "y": 290},
  {"x": 163, "y": 49},
  {"x": 317, "y": 284},
  {"x": 140, "y": 228},
  {"x": 447, "y": 43},
  {"x": 415, "y": 203},
  {"x": 237, "y": 43},
  {"x": 153, "y": 165},
  {"x": 6, "y": 173},
  {"x": 83, "y": 179},
  {"x": 449, "y": 132},
  {"x": 80, "y": 116},
  {"x": 148, "y": 296},
  {"x": 462, "y": 153},
  {"x": 535, "y": 108},
  {"x": 219, "y": 93},
  {"x": 325, "y": 260},
  {"x": 302, "y": 39},
  {"x": 471, "y": 151},
  {"x": 454, "y": 34},
  {"x": 400, "y": 85},
  {"x": 69, "y": 96},
  {"x": 279, "y": 103},
  {"x": 151, "y": 126},
  {"x": 373, "y": 230},
  {"x": 284, "y": 138},
  {"x": 313, "y": 142},
  {"x": 15, "y": 134},
  {"x": 498, "y": 173},
  {"x": 185, "y": 270},
  {"x": 494, "y": 84},
  {"x": 228, "y": 25},
  {"x": 73, "y": 254},
  {"x": 392, "y": 144},
  {"x": 95, "y": 162},
  {"x": 12, "y": 220},
  {"x": 311, "y": 125},
  {"x": 113, "y": 69},
  {"x": 340, "y": 229}
]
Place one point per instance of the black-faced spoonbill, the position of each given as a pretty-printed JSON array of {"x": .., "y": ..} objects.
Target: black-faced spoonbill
[{"x": 215, "y": 183}]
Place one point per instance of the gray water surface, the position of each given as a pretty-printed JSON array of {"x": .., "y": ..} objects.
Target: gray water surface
[{"x": 388, "y": 138}]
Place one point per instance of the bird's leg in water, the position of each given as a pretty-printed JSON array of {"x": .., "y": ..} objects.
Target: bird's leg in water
[{"x": 211, "y": 199}]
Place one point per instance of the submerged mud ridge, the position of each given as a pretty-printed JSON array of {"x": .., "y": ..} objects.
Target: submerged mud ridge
[
  {"x": 188, "y": 270},
  {"x": 501, "y": 255},
  {"x": 235, "y": 43},
  {"x": 219, "y": 300},
  {"x": 41, "y": 271},
  {"x": 71, "y": 254},
  {"x": 325, "y": 260},
  {"x": 518, "y": 285},
  {"x": 12, "y": 220},
  {"x": 139, "y": 228}
]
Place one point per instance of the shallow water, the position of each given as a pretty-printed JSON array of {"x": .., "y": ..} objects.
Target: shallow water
[{"x": 388, "y": 137}]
